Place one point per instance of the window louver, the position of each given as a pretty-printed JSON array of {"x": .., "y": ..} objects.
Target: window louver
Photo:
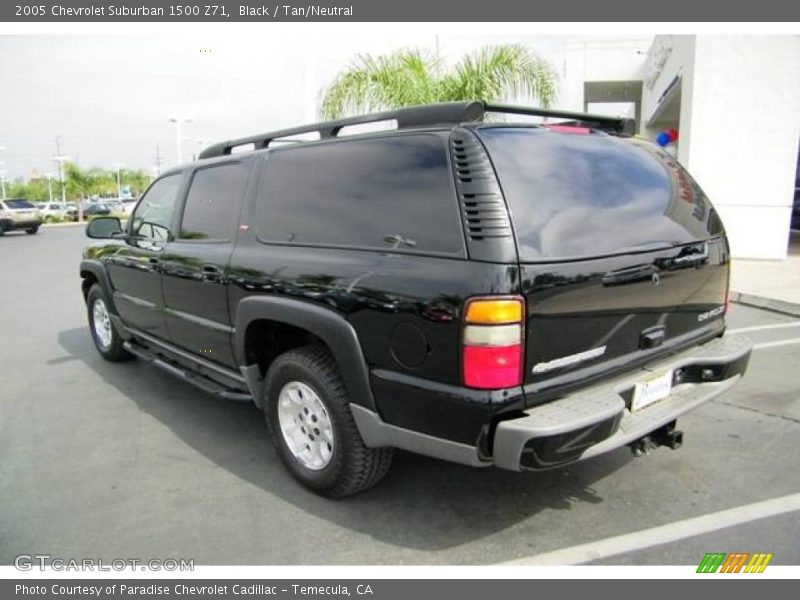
[{"x": 482, "y": 206}]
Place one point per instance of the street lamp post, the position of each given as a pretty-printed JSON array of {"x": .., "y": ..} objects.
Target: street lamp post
[
  {"x": 60, "y": 160},
  {"x": 178, "y": 139},
  {"x": 3, "y": 176},
  {"x": 49, "y": 185},
  {"x": 119, "y": 179}
]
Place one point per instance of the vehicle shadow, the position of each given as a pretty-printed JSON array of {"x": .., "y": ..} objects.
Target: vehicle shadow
[{"x": 423, "y": 504}]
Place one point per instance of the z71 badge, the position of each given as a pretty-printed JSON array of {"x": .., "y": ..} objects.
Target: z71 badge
[{"x": 711, "y": 313}]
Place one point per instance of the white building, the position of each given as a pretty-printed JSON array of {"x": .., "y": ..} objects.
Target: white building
[{"x": 735, "y": 101}]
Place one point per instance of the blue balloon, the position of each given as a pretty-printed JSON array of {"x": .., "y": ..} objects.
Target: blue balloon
[{"x": 662, "y": 139}]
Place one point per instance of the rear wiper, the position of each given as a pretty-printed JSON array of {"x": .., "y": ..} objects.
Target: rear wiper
[{"x": 650, "y": 246}]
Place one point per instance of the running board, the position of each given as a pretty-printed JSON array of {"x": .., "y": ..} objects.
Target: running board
[{"x": 195, "y": 379}]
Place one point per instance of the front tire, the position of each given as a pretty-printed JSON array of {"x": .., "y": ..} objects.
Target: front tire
[
  {"x": 313, "y": 431},
  {"x": 106, "y": 339},
  {"x": 32, "y": 230}
]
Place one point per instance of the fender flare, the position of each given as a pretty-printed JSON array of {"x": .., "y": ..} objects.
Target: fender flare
[
  {"x": 97, "y": 269},
  {"x": 333, "y": 329}
]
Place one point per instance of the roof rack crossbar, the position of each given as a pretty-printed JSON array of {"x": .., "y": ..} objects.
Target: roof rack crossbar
[
  {"x": 621, "y": 125},
  {"x": 448, "y": 113},
  {"x": 415, "y": 116}
]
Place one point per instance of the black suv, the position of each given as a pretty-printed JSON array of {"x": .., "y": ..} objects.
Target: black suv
[{"x": 483, "y": 292}]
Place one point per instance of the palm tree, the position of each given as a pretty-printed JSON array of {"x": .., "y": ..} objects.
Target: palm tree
[{"x": 410, "y": 77}]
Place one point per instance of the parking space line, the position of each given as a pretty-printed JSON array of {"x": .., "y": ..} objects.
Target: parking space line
[
  {"x": 776, "y": 344},
  {"x": 664, "y": 534},
  {"x": 764, "y": 327}
]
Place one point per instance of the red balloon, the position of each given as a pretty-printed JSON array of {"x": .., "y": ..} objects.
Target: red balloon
[{"x": 673, "y": 134}]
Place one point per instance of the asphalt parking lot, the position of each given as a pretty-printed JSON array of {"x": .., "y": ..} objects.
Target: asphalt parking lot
[{"x": 121, "y": 461}]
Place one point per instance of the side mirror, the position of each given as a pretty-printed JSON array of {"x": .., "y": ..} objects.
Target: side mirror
[{"x": 103, "y": 228}]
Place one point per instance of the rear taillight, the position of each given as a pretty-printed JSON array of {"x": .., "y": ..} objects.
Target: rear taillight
[{"x": 493, "y": 329}]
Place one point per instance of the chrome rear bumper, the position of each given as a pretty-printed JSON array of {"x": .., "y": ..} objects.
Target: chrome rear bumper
[{"x": 598, "y": 419}]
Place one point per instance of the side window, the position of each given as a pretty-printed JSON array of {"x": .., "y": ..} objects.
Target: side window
[
  {"x": 387, "y": 193},
  {"x": 153, "y": 216},
  {"x": 213, "y": 201}
]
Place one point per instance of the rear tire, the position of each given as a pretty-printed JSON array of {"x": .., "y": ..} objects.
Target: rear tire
[
  {"x": 313, "y": 431},
  {"x": 106, "y": 339},
  {"x": 32, "y": 230}
]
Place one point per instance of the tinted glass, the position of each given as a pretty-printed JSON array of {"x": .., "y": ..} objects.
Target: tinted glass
[
  {"x": 19, "y": 204},
  {"x": 153, "y": 216},
  {"x": 573, "y": 195},
  {"x": 213, "y": 202},
  {"x": 384, "y": 193}
]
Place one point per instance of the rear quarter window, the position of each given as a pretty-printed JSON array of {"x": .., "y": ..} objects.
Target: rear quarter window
[
  {"x": 573, "y": 195},
  {"x": 387, "y": 193},
  {"x": 19, "y": 204}
]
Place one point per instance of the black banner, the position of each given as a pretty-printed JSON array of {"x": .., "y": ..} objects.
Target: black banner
[
  {"x": 383, "y": 589},
  {"x": 407, "y": 10}
]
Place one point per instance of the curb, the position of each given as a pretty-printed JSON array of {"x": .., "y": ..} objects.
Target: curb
[
  {"x": 70, "y": 224},
  {"x": 778, "y": 306}
]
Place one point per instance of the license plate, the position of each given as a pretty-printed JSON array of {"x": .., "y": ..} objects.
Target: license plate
[{"x": 651, "y": 391}]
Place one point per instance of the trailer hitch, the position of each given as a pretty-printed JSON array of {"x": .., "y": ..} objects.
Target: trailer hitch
[{"x": 666, "y": 435}]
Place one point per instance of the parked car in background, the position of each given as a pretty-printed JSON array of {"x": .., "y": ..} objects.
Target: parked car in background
[
  {"x": 128, "y": 204},
  {"x": 113, "y": 204},
  {"x": 90, "y": 209},
  {"x": 18, "y": 213},
  {"x": 52, "y": 211}
]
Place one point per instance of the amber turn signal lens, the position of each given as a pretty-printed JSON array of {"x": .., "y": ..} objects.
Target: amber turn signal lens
[{"x": 494, "y": 311}]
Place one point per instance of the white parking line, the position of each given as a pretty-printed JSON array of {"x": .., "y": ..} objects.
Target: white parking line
[
  {"x": 764, "y": 327},
  {"x": 664, "y": 534},
  {"x": 788, "y": 342}
]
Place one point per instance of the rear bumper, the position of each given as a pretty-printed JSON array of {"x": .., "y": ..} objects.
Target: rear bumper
[
  {"x": 598, "y": 419},
  {"x": 10, "y": 224}
]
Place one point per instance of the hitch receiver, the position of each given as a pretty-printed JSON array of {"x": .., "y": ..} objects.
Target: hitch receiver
[{"x": 666, "y": 435}]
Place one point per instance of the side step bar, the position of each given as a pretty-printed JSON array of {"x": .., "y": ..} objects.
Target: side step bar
[{"x": 195, "y": 379}]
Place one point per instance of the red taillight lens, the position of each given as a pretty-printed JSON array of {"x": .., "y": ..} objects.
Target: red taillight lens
[
  {"x": 492, "y": 368},
  {"x": 493, "y": 355}
]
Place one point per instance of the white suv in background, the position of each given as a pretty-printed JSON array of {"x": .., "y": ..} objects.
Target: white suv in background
[{"x": 18, "y": 213}]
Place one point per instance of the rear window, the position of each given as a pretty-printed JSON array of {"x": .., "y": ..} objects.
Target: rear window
[
  {"x": 19, "y": 204},
  {"x": 573, "y": 195},
  {"x": 382, "y": 193}
]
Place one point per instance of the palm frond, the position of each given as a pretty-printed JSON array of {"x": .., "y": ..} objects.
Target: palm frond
[
  {"x": 402, "y": 78},
  {"x": 409, "y": 76},
  {"x": 495, "y": 72}
]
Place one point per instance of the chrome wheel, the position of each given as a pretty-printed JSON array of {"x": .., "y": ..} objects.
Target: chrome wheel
[
  {"x": 305, "y": 425},
  {"x": 102, "y": 324}
]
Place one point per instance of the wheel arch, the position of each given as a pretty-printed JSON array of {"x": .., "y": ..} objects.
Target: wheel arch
[
  {"x": 93, "y": 272},
  {"x": 324, "y": 325}
]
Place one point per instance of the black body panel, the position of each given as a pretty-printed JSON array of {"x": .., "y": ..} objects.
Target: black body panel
[{"x": 381, "y": 274}]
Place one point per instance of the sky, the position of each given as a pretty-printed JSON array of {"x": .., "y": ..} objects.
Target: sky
[{"x": 108, "y": 98}]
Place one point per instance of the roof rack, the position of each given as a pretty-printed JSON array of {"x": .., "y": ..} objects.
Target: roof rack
[
  {"x": 618, "y": 125},
  {"x": 422, "y": 116}
]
